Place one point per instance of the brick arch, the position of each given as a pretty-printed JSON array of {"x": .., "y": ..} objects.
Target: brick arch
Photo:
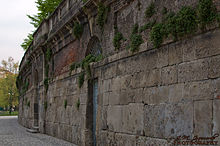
[{"x": 94, "y": 47}]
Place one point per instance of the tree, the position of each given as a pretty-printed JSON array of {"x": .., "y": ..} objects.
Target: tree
[
  {"x": 8, "y": 90},
  {"x": 27, "y": 42},
  {"x": 45, "y": 8}
]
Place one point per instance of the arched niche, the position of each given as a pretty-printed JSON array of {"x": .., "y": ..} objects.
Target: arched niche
[{"x": 94, "y": 47}]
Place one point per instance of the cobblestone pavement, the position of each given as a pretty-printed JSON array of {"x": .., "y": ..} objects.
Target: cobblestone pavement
[{"x": 13, "y": 134}]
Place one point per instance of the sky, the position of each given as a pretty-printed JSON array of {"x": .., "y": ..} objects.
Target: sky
[{"x": 14, "y": 26}]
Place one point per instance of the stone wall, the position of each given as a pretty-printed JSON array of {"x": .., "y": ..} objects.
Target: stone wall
[{"x": 144, "y": 98}]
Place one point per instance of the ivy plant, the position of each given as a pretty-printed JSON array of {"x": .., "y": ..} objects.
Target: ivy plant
[
  {"x": 102, "y": 15},
  {"x": 135, "y": 39},
  {"x": 150, "y": 10},
  {"x": 77, "y": 30}
]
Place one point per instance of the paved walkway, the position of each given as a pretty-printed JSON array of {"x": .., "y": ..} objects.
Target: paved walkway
[{"x": 12, "y": 134}]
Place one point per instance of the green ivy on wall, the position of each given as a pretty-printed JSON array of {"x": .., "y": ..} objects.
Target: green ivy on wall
[
  {"x": 84, "y": 64},
  {"x": 186, "y": 21},
  {"x": 77, "y": 30},
  {"x": 135, "y": 39},
  {"x": 102, "y": 15}
]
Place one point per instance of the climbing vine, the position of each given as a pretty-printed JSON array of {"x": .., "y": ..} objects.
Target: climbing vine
[
  {"x": 77, "y": 30},
  {"x": 84, "y": 64},
  {"x": 48, "y": 56},
  {"x": 77, "y": 104},
  {"x": 45, "y": 105},
  {"x": 65, "y": 103},
  {"x": 117, "y": 39},
  {"x": 102, "y": 15}
]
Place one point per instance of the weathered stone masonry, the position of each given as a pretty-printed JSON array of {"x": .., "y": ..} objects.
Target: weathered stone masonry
[{"x": 144, "y": 98}]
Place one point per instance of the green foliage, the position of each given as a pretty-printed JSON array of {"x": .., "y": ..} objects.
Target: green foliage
[
  {"x": 27, "y": 41},
  {"x": 150, "y": 10},
  {"x": 65, "y": 103},
  {"x": 135, "y": 39},
  {"x": 45, "y": 8},
  {"x": 28, "y": 104},
  {"x": 77, "y": 30},
  {"x": 48, "y": 54},
  {"x": 149, "y": 25},
  {"x": 117, "y": 40},
  {"x": 84, "y": 1},
  {"x": 102, "y": 15},
  {"x": 6, "y": 113},
  {"x": 206, "y": 12},
  {"x": 157, "y": 34},
  {"x": 164, "y": 11},
  {"x": 81, "y": 79},
  {"x": 26, "y": 86},
  {"x": 169, "y": 24},
  {"x": 175, "y": 25},
  {"x": 8, "y": 91},
  {"x": 45, "y": 105},
  {"x": 84, "y": 64},
  {"x": 46, "y": 67},
  {"x": 186, "y": 21},
  {"x": 218, "y": 19},
  {"x": 78, "y": 104},
  {"x": 46, "y": 84}
]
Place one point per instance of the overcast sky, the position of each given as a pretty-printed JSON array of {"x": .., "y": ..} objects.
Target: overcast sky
[{"x": 14, "y": 26}]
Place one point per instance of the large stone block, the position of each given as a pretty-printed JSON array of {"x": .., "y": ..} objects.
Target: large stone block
[
  {"x": 175, "y": 53},
  {"x": 114, "y": 98},
  {"x": 109, "y": 71},
  {"x": 154, "y": 114},
  {"x": 203, "y": 118},
  {"x": 148, "y": 141},
  {"x": 208, "y": 44},
  {"x": 148, "y": 60},
  {"x": 76, "y": 131},
  {"x": 125, "y": 140},
  {"x": 216, "y": 118},
  {"x": 199, "y": 90},
  {"x": 192, "y": 71},
  {"x": 114, "y": 118},
  {"x": 176, "y": 93},
  {"x": 188, "y": 50},
  {"x": 107, "y": 84},
  {"x": 217, "y": 88},
  {"x": 214, "y": 67},
  {"x": 179, "y": 120},
  {"x": 133, "y": 119},
  {"x": 156, "y": 95},
  {"x": 125, "y": 97},
  {"x": 169, "y": 75},
  {"x": 150, "y": 78},
  {"x": 162, "y": 57}
]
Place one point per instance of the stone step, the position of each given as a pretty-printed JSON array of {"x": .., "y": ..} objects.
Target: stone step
[{"x": 34, "y": 129}]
